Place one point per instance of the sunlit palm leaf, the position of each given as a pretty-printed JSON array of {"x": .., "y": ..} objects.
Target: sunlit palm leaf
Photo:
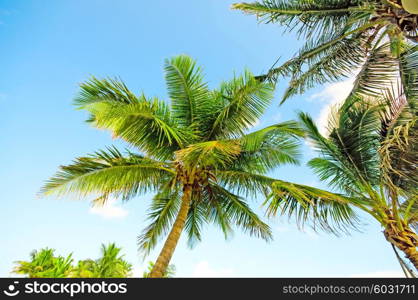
[
  {"x": 268, "y": 148},
  {"x": 108, "y": 172},
  {"x": 209, "y": 154},
  {"x": 188, "y": 93},
  {"x": 329, "y": 211},
  {"x": 243, "y": 101},
  {"x": 237, "y": 212},
  {"x": 146, "y": 124},
  {"x": 307, "y": 17},
  {"x": 378, "y": 73},
  {"x": 341, "y": 37},
  {"x": 162, "y": 212}
]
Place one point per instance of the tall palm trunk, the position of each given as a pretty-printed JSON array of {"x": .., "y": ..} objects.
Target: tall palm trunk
[
  {"x": 166, "y": 253},
  {"x": 405, "y": 240}
]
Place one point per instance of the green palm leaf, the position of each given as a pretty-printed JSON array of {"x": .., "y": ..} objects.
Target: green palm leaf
[
  {"x": 107, "y": 172},
  {"x": 242, "y": 100},
  {"x": 270, "y": 147},
  {"x": 188, "y": 93},
  {"x": 162, "y": 213},
  {"x": 146, "y": 124},
  {"x": 341, "y": 37},
  {"x": 379, "y": 72},
  {"x": 236, "y": 211},
  {"x": 330, "y": 212}
]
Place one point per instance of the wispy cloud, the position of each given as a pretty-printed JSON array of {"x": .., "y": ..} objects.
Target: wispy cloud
[
  {"x": 109, "y": 211},
  {"x": 204, "y": 269},
  {"x": 138, "y": 272},
  {"x": 332, "y": 95}
]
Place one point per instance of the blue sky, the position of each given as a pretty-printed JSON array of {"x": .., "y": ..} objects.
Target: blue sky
[{"x": 48, "y": 47}]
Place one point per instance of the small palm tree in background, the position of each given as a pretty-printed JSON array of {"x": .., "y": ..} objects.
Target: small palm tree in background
[
  {"x": 375, "y": 38},
  {"x": 194, "y": 153},
  {"x": 85, "y": 269},
  {"x": 370, "y": 156},
  {"x": 44, "y": 264},
  {"x": 110, "y": 265}
]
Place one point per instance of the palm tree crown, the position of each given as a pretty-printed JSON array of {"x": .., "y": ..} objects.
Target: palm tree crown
[
  {"x": 372, "y": 37},
  {"x": 194, "y": 153},
  {"x": 111, "y": 264},
  {"x": 44, "y": 264},
  {"x": 370, "y": 156}
]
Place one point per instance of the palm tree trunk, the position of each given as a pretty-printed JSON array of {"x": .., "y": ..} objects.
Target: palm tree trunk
[
  {"x": 166, "y": 253},
  {"x": 405, "y": 240}
]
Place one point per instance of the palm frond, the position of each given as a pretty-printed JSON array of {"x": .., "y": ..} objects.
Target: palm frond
[
  {"x": 409, "y": 210},
  {"x": 408, "y": 65},
  {"x": 330, "y": 64},
  {"x": 244, "y": 183},
  {"x": 379, "y": 71},
  {"x": 399, "y": 145},
  {"x": 334, "y": 165},
  {"x": 186, "y": 89},
  {"x": 196, "y": 219},
  {"x": 313, "y": 52},
  {"x": 108, "y": 172},
  {"x": 321, "y": 209},
  {"x": 270, "y": 147},
  {"x": 308, "y": 18},
  {"x": 243, "y": 101},
  {"x": 162, "y": 213},
  {"x": 146, "y": 124},
  {"x": 214, "y": 154},
  {"x": 228, "y": 208},
  {"x": 356, "y": 133},
  {"x": 112, "y": 90}
]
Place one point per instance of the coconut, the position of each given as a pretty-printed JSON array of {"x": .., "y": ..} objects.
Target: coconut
[{"x": 410, "y": 6}]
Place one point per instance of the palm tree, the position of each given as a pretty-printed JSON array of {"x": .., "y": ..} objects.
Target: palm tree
[
  {"x": 110, "y": 265},
  {"x": 195, "y": 154},
  {"x": 44, "y": 264},
  {"x": 370, "y": 156},
  {"x": 85, "y": 269},
  {"x": 343, "y": 37}
]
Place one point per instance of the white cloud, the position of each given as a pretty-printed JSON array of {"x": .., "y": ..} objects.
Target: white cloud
[
  {"x": 137, "y": 272},
  {"x": 203, "y": 269},
  {"x": 333, "y": 95},
  {"x": 379, "y": 274},
  {"x": 109, "y": 211}
]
